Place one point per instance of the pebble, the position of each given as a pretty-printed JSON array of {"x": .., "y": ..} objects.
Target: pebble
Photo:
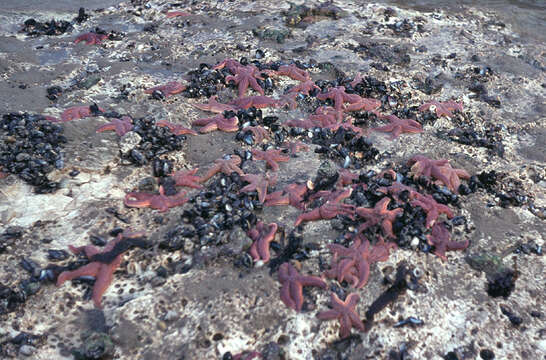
[
  {"x": 27, "y": 350},
  {"x": 128, "y": 142}
]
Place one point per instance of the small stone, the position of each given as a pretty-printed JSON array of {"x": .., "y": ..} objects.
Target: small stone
[
  {"x": 171, "y": 315},
  {"x": 414, "y": 242},
  {"x": 27, "y": 350},
  {"x": 487, "y": 354},
  {"x": 128, "y": 141}
]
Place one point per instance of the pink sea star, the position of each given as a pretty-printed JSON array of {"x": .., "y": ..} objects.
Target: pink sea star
[
  {"x": 345, "y": 312},
  {"x": 293, "y": 283}
]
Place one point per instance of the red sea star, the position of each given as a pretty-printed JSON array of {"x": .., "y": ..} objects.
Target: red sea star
[
  {"x": 292, "y": 71},
  {"x": 259, "y": 134},
  {"x": 168, "y": 89},
  {"x": 270, "y": 156},
  {"x": 187, "y": 178},
  {"x": 346, "y": 177},
  {"x": 439, "y": 169},
  {"x": 214, "y": 106},
  {"x": 230, "y": 64},
  {"x": 226, "y": 166},
  {"x": 431, "y": 207},
  {"x": 259, "y": 102},
  {"x": 259, "y": 183},
  {"x": 357, "y": 80},
  {"x": 440, "y": 239},
  {"x": 293, "y": 283},
  {"x": 246, "y": 76},
  {"x": 345, "y": 311},
  {"x": 330, "y": 209},
  {"x": 77, "y": 112},
  {"x": 171, "y": 14},
  {"x": 353, "y": 264},
  {"x": 379, "y": 215},
  {"x": 304, "y": 87},
  {"x": 444, "y": 108},
  {"x": 398, "y": 126},
  {"x": 262, "y": 235},
  {"x": 121, "y": 126},
  {"x": 176, "y": 129},
  {"x": 292, "y": 194},
  {"x": 159, "y": 201},
  {"x": 218, "y": 122},
  {"x": 91, "y": 38},
  {"x": 339, "y": 96},
  {"x": 295, "y": 146},
  {"x": 365, "y": 104},
  {"x": 102, "y": 272}
]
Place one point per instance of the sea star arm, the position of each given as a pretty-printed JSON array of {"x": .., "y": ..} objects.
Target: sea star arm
[
  {"x": 262, "y": 235},
  {"x": 226, "y": 166},
  {"x": 91, "y": 38},
  {"x": 167, "y": 89},
  {"x": 187, "y": 178},
  {"x": 218, "y": 122},
  {"x": 176, "y": 129},
  {"x": 271, "y": 157},
  {"x": 120, "y": 126},
  {"x": 214, "y": 106},
  {"x": 259, "y": 183}
]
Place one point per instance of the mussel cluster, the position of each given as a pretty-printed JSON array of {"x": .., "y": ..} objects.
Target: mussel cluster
[
  {"x": 31, "y": 147},
  {"x": 155, "y": 141},
  {"x": 214, "y": 212}
]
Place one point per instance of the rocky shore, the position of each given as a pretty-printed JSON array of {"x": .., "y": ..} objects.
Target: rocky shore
[{"x": 449, "y": 264}]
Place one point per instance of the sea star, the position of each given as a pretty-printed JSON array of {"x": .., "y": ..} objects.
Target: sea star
[
  {"x": 159, "y": 201},
  {"x": 259, "y": 102},
  {"x": 431, "y": 207},
  {"x": 120, "y": 126},
  {"x": 345, "y": 311},
  {"x": 246, "y": 76},
  {"x": 187, "y": 178},
  {"x": 330, "y": 209},
  {"x": 78, "y": 112},
  {"x": 214, "y": 106},
  {"x": 327, "y": 115},
  {"x": 226, "y": 166},
  {"x": 353, "y": 264},
  {"x": 247, "y": 355},
  {"x": 365, "y": 104},
  {"x": 293, "y": 283},
  {"x": 339, "y": 96},
  {"x": 91, "y": 38},
  {"x": 294, "y": 146},
  {"x": 396, "y": 189},
  {"x": 262, "y": 235},
  {"x": 218, "y": 122},
  {"x": 441, "y": 240},
  {"x": 292, "y": 71},
  {"x": 259, "y": 134},
  {"x": 292, "y": 194},
  {"x": 270, "y": 156},
  {"x": 379, "y": 215},
  {"x": 398, "y": 126},
  {"x": 304, "y": 87},
  {"x": 357, "y": 80},
  {"x": 304, "y": 124},
  {"x": 171, "y": 14},
  {"x": 439, "y": 169},
  {"x": 230, "y": 64},
  {"x": 176, "y": 129},
  {"x": 103, "y": 272},
  {"x": 346, "y": 177},
  {"x": 168, "y": 89},
  {"x": 259, "y": 183},
  {"x": 289, "y": 99},
  {"x": 444, "y": 108}
]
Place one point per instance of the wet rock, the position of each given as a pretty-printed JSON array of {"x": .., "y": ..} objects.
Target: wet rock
[
  {"x": 27, "y": 350},
  {"x": 89, "y": 82},
  {"x": 501, "y": 283},
  {"x": 128, "y": 142},
  {"x": 267, "y": 33},
  {"x": 95, "y": 346}
]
